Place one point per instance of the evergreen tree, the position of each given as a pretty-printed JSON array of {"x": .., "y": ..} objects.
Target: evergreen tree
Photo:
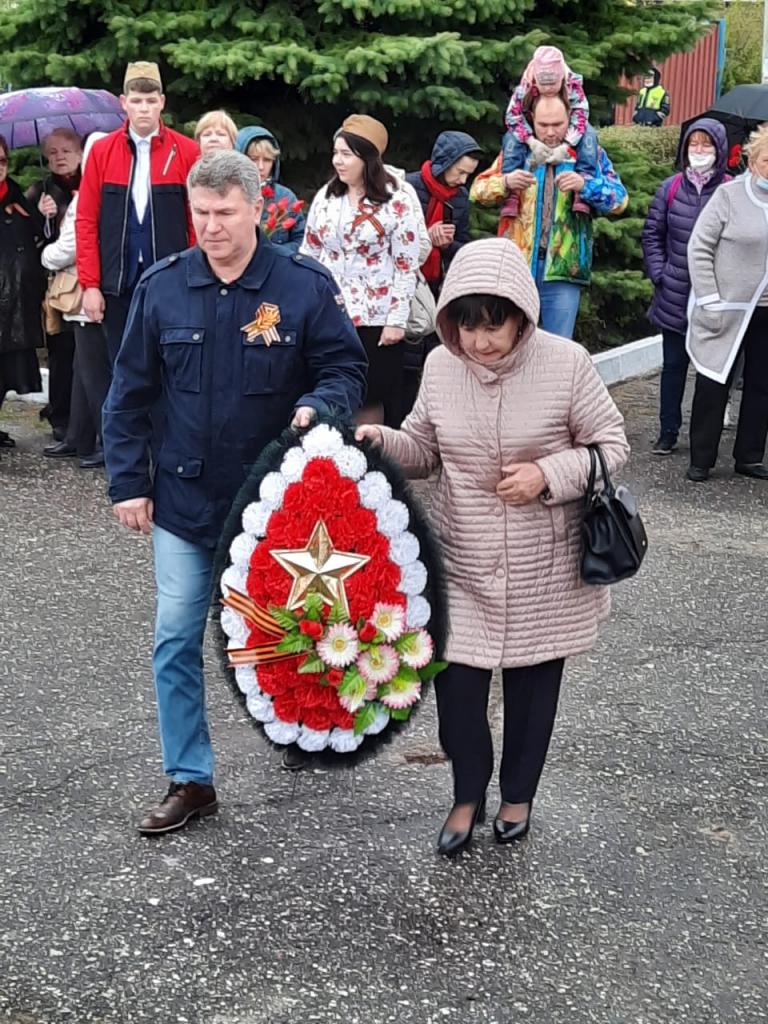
[{"x": 419, "y": 65}]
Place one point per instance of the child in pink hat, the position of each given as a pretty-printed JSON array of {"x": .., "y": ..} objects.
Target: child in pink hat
[{"x": 547, "y": 75}]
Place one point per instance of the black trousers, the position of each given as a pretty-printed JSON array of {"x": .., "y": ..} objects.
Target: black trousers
[
  {"x": 530, "y": 705},
  {"x": 385, "y": 374},
  {"x": 710, "y": 399},
  {"x": 115, "y": 315},
  {"x": 61, "y": 355},
  {"x": 90, "y": 383}
]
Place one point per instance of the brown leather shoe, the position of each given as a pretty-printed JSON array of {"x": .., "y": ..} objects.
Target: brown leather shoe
[{"x": 183, "y": 801}]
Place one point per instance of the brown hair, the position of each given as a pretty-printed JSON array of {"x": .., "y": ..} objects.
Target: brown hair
[
  {"x": 4, "y": 146},
  {"x": 143, "y": 85}
]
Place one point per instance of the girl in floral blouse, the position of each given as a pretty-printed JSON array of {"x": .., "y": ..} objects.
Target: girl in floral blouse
[{"x": 363, "y": 228}]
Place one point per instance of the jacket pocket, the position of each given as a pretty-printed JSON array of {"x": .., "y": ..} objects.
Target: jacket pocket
[
  {"x": 185, "y": 467},
  {"x": 270, "y": 369},
  {"x": 181, "y": 349}
]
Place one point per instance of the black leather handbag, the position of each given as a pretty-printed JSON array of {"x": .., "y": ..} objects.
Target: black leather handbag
[{"x": 613, "y": 537}]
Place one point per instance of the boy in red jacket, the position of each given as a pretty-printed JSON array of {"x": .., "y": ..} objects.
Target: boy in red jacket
[{"x": 132, "y": 206}]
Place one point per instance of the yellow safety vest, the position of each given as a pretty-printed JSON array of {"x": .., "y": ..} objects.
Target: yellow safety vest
[{"x": 651, "y": 99}]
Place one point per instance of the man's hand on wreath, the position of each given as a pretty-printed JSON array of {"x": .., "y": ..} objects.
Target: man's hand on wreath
[{"x": 303, "y": 417}]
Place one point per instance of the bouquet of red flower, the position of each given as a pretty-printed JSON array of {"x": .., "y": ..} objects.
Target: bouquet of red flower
[
  {"x": 328, "y": 595},
  {"x": 280, "y": 213}
]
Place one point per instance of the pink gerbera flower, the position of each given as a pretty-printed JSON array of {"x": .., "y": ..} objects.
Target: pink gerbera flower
[
  {"x": 416, "y": 649},
  {"x": 401, "y": 693},
  {"x": 339, "y": 646},
  {"x": 379, "y": 664},
  {"x": 389, "y": 619}
]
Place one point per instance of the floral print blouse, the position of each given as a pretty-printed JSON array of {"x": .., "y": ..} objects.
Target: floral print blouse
[{"x": 371, "y": 250}]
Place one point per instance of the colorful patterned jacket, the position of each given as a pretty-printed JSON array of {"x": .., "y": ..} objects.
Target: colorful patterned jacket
[{"x": 569, "y": 248}]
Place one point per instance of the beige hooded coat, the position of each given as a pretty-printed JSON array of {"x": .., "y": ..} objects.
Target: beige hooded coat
[{"x": 514, "y": 592}]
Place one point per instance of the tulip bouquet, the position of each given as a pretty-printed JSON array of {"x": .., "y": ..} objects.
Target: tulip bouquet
[{"x": 280, "y": 214}]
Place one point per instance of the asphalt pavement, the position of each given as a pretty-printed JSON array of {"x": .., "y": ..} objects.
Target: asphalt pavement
[{"x": 638, "y": 898}]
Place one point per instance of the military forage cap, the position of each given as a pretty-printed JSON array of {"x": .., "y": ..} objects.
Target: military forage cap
[{"x": 142, "y": 69}]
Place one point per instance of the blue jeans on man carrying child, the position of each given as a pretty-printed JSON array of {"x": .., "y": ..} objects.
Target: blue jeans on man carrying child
[
  {"x": 183, "y": 574},
  {"x": 672, "y": 389},
  {"x": 514, "y": 153},
  {"x": 559, "y": 304}
]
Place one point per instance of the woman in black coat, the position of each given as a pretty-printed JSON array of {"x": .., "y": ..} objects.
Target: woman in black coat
[{"x": 21, "y": 291}]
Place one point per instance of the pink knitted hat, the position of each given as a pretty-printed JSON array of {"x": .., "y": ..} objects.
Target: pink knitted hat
[{"x": 547, "y": 66}]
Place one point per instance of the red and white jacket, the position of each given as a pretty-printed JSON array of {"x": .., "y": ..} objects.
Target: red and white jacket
[{"x": 103, "y": 204}]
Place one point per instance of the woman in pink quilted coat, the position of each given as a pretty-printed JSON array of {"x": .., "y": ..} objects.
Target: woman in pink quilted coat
[{"x": 503, "y": 416}]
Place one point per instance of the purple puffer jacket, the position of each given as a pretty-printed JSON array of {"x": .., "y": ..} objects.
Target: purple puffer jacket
[{"x": 668, "y": 228}]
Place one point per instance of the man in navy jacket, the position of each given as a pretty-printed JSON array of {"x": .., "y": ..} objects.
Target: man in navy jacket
[{"x": 225, "y": 344}]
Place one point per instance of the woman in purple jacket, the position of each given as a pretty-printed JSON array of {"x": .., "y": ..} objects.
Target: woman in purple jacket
[{"x": 673, "y": 213}]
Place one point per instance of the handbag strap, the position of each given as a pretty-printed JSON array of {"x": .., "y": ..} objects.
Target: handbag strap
[
  {"x": 596, "y": 451},
  {"x": 590, "y": 492}
]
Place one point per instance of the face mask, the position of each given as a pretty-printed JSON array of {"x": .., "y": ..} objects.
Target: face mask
[
  {"x": 701, "y": 161},
  {"x": 761, "y": 182}
]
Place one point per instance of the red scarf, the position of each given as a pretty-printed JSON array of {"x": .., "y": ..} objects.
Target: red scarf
[
  {"x": 438, "y": 195},
  {"x": 3, "y": 190}
]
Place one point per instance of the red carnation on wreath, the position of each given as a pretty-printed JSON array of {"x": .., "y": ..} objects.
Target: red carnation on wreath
[{"x": 326, "y": 607}]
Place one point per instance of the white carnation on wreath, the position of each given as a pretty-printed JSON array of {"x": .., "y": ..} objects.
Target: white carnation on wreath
[
  {"x": 322, "y": 441},
  {"x": 233, "y": 578},
  {"x": 234, "y": 626},
  {"x": 392, "y": 518},
  {"x": 313, "y": 740},
  {"x": 417, "y": 612},
  {"x": 282, "y": 732},
  {"x": 413, "y": 578},
  {"x": 293, "y": 464},
  {"x": 260, "y": 707},
  {"x": 351, "y": 462},
  {"x": 380, "y": 722},
  {"x": 256, "y": 518},
  {"x": 344, "y": 741},
  {"x": 245, "y": 677},
  {"x": 404, "y": 548},
  {"x": 241, "y": 549},
  {"x": 375, "y": 490},
  {"x": 272, "y": 489}
]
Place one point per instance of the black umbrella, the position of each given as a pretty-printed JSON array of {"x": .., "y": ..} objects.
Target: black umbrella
[{"x": 741, "y": 110}]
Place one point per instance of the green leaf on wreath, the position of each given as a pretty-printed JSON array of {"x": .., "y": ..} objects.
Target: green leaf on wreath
[
  {"x": 405, "y": 643},
  {"x": 284, "y": 618},
  {"x": 312, "y": 663},
  {"x": 431, "y": 670},
  {"x": 366, "y": 716},
  {"x": 336, "y": 614},
  {"x": 313, "y": 607},
  {"x": 406, "y": 675},
  {"x": 294, "y": 643},
  {"x": 353, "y": 684},
  {"x": 400, "y": 714}
]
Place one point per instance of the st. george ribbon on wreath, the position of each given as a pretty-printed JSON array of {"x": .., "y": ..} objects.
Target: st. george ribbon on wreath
[{"x": 333, "y": 609}]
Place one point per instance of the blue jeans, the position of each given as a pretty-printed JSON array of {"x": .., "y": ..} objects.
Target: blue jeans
[
  {"x": 673, "y": 374},
  {"x": 559, "y": 304},
  {"x": 515, "y": 153},
  {"x": 183, "y": 575}
]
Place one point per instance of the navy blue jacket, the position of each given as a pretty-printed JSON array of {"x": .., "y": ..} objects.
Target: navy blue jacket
[
  {"x": 215, "y": 395},
  {"x": 669, "y": 227},
  {"x": 448, "y": 148}
]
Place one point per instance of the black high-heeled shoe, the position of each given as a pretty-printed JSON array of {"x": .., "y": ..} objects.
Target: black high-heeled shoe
[
  {"x": 509, "y": 831},
  {"x": 450, "y": 843}
]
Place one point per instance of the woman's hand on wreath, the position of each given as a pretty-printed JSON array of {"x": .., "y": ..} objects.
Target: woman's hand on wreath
[{"x": 369, "y": 432}]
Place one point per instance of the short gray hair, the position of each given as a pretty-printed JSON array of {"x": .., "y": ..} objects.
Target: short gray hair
[{"x": 224, "y": 169}]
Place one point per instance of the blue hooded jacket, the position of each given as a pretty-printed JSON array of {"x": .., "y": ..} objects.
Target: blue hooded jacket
[
  {"x": 292, "y": 238},
  {"x": 670, "y": 223},
  {"x": 448, "y": 148}
]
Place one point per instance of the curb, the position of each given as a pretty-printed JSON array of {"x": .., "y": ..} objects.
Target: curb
[{"x": 636, "y": 359}]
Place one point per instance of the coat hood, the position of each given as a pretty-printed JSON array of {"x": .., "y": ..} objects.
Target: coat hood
[
  {"x": 656, "y": 76},
  {"x": 255, "y": 131},
  {"x": 716, "y": 131},
  {"x": 490, "y": 266},
  {"x": 89, "y": 143},
  {"x": 450, "y": 147}
]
